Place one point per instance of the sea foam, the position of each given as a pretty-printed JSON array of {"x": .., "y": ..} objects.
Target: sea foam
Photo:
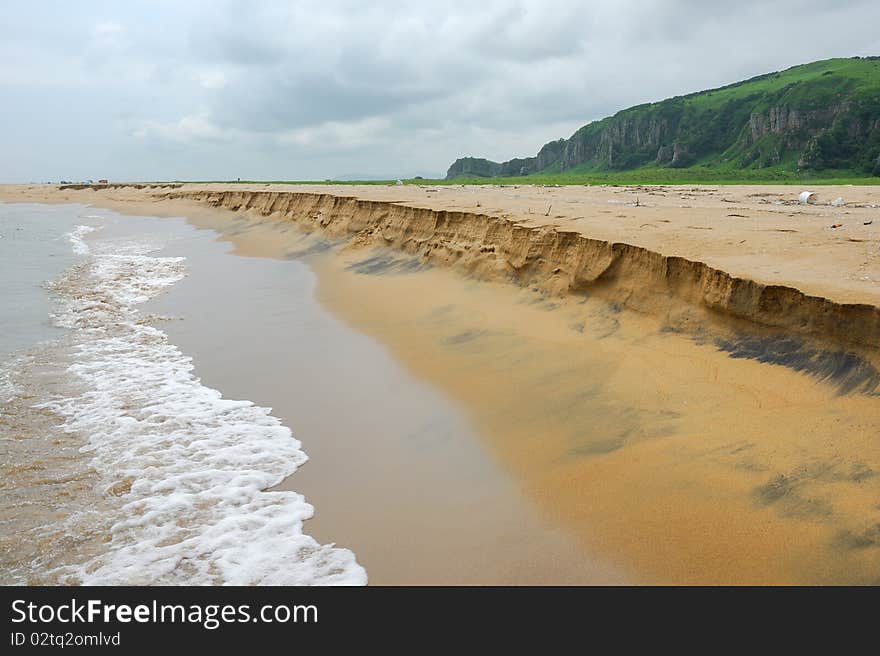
[
  {"x": 77, "y": 238},
  {"x": 188, "y": 468}
]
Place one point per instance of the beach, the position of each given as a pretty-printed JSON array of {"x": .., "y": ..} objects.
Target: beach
[
  {"x": 548, "y": 384},
  {"x": 396, "y": 471}
]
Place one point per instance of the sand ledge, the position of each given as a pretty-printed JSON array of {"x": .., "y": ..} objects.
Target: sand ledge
[{"x": 682, "y": 290}]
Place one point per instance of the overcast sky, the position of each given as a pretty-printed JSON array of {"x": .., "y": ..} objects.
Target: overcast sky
[{"x": 309, "y": 90}]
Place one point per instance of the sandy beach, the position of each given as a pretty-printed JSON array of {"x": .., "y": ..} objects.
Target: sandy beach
[
  {"x": 396, "y": 471},
  {"x": 760, "y": 232},
  {"x": 681, "y": 382}
]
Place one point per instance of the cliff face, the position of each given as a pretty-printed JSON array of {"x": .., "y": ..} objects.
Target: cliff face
[
  {"x": 817, "y": 116},
  {"x": 625, "y": 141}
]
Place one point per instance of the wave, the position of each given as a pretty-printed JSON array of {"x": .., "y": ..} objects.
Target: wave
[{"x": 187, "y": 469}]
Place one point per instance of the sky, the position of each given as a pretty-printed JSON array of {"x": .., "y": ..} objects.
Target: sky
[{"x": 303, "y": 90}]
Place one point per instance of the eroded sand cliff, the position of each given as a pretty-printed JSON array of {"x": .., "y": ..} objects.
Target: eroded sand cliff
[{"x": 690, "y": 295}]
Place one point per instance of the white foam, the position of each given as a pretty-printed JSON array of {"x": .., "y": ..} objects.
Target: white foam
[
  {"x": 8, "y": 389},
  {"x": 80, "y": 247},
  {"x": 190, "y": 467}
]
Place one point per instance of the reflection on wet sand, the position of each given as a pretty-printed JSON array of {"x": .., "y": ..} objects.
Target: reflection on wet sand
[
  {"x": 395, "y": 471},
  {"x": 723, "y": 461}
]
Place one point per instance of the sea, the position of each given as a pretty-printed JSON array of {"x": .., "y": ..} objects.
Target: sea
[{"x": 119, "y": 466}]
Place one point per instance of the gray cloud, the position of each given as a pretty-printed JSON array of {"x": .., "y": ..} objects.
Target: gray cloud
[{"x": 307, "y": 89}]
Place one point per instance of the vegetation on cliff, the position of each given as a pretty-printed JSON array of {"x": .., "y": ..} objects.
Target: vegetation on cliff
[{"x": 817, "y": 120}]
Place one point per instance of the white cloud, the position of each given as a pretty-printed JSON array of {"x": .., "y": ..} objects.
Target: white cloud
[
  {"x": 336, "y": 134},
  {"x": 311, "y": 88},
  {"x": 198, "y": 127}
]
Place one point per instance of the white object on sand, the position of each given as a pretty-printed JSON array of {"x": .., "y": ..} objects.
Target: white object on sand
[
  {"x": 837, "y": 202},
  {"x": 807, "y": 197}
]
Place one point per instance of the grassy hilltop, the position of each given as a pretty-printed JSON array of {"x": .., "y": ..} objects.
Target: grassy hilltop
[{"x": 818, "y": 121}]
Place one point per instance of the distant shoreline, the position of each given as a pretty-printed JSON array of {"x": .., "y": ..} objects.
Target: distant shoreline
[{"x": 623, "y": 178}]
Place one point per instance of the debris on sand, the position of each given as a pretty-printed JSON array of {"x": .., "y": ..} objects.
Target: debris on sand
[
  {"x": 808, "y": 197},
  {"x": 837, "y": 202}
]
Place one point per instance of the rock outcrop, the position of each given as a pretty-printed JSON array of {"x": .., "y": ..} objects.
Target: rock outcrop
[{"x": 824, "y": 115}]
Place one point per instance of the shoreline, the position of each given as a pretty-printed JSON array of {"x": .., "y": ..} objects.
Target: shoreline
[
  {"x": 739, "y": 484},
  {"x": 395, "y": 472},
  {"x": 122, "y": 467}
]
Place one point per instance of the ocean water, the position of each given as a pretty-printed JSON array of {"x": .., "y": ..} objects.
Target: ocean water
[
  {"x": 121, "y": 467},
  {"x": 33, "y": 248}
]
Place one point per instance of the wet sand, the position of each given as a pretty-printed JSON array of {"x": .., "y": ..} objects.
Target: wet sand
[
  {"x": 396, "y": 472},
  {"x": 657, "y": 450},
  {"x": 687, "y": 465},
  {"x": 679, "y": 462}
]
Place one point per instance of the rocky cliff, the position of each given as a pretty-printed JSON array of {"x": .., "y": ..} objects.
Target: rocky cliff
[{"x": 824, "y": 115}]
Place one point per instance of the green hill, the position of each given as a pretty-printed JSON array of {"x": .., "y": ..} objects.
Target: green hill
[{"x": 821, "y": 119}]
